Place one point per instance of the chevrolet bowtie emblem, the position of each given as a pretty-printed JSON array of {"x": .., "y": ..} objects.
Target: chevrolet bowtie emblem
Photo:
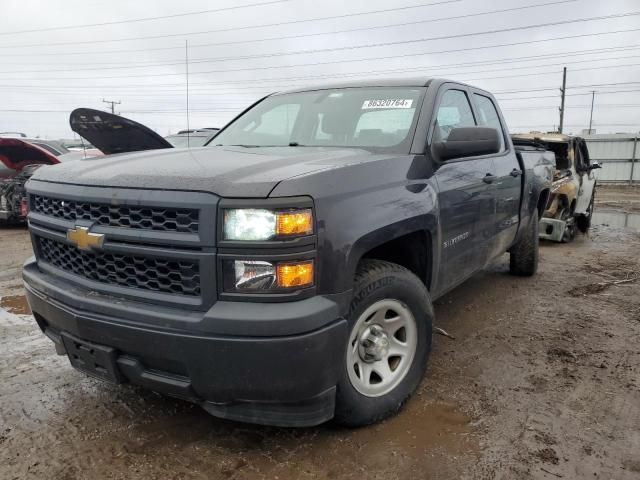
[{"x": 84, "y": 240}]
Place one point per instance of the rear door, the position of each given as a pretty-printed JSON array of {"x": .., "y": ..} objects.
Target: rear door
[
  {"x": 508, "y": 182},
  {"x": 465, "y": 195}
]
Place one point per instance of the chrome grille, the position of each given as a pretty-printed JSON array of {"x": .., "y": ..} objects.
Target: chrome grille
[
  {"x": 161, "y": 275},
  {"x": 183, "y": 220}
]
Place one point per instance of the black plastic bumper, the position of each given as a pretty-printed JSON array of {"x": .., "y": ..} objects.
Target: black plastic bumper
[{"x": 287, "y": 379}]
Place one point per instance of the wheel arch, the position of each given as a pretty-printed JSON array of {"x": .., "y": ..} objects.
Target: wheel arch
[
  {"x": 543, "y": 202},
  {"x": 409, "y": 243}
]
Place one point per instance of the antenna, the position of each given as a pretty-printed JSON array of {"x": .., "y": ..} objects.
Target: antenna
[
  {"x": 186, "y": 67},
  {"x": 593, "y": 99}
]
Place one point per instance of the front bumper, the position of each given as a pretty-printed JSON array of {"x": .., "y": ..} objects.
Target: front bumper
[
  {"x": 275, "y": 364},
  {"x": 552, "y": 229}
]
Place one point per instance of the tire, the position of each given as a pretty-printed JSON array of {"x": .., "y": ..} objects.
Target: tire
[
  {"x": 524, "y": 255},
  {"x": 584, "y": 221},
  {"x": 403, "y": 300},
  {"x": 570, "y": 230}
]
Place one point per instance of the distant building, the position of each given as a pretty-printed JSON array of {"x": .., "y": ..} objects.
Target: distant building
[{"x": 619, "y": 155}]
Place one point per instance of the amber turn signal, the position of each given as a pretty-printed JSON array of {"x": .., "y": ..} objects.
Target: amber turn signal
[
  {"x": 297, "y": 222},
  {"x": 298, "y": 274}
]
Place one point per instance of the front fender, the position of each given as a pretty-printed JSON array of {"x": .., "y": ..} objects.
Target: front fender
[{"x": 368, "y": 221}]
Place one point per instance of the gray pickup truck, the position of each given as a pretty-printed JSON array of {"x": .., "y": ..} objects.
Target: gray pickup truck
[{"x": 284, "y": 274}]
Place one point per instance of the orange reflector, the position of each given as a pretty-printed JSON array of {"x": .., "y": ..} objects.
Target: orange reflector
[
  {"x": 294, "y": 223},
  {"x": 295, "y": 274}
]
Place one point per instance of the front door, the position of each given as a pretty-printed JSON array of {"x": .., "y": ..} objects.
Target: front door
[
  {"x": 466, "y": 201},
  {"x": 508, "y": 183}
]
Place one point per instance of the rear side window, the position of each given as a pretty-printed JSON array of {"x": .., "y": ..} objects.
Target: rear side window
[
  {"x": 454, "y": 111},
  {"x": 488, "y": 116}
]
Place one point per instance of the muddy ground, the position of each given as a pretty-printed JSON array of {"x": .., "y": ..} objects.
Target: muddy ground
[{"x": 542, "y": 381}]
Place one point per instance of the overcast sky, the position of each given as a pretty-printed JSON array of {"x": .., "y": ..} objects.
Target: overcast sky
[{"x": 238, "y": 55}]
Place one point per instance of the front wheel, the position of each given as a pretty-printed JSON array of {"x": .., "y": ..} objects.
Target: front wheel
[{"x": 390, "y": 322}]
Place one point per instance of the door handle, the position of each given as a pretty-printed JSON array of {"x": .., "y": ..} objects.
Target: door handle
[
  {"x": 489, "y": 178},
  {"x": 515, "y": 172}
]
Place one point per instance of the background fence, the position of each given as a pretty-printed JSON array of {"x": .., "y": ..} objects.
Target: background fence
[{"x": 618, "y": 155}]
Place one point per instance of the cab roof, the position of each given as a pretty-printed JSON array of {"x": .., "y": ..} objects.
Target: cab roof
[{"x": 376, "y": 82}]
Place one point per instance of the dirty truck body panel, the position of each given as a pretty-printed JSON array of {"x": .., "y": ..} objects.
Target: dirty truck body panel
[{"x": 137, "y": 277}]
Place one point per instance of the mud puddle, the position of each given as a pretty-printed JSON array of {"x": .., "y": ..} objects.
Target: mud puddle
[
  {"x": 16, "y": 304},
  {"x": 617, "y": 219}
]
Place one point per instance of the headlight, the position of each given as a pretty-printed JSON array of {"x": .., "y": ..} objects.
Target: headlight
[
  {"x": 261, "y": 276},
  {"x": 252, "y": 224}
]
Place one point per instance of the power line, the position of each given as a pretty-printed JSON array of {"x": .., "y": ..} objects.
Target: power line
[
  {"x": 407, "y": 69},
  {"x": 548, "y": 107},
  {"x": 555, "y": 88},
  {"x": 603, "y": 124},
  {"x": 378, "y": 58},
  {"x": 340, "y": 61},
  {"x": 215, "y": 88},
  {"x": 154, "y": 63},
  {"x": 386, "y": 44},
  {"x": 260, "y": 40},
  {"x": 233, "y": 29},
  {"x": 568, "y": 95},
  {"x": 146, "y": 19}
]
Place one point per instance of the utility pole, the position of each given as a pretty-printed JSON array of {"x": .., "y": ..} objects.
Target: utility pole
[
  {"x": 593, "y": 98},
  {"x": 564, "y": 91},
  {"x": 113, "y": 104}
]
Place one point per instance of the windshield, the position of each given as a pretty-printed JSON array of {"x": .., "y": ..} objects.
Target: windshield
[
  {"x": 349, "y": 117},
  {"x": 181, "y": 141}
]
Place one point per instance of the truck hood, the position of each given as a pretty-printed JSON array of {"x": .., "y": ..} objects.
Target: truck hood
[
  {"x": 15, "y": 154},
  {"x": 114, "y": 134},
  {"x": 226, "y": 171}
]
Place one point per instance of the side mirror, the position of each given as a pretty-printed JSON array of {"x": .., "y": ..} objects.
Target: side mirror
[
  {"x": 594, "y": 165},
  {"x": 468, "y": 142}
]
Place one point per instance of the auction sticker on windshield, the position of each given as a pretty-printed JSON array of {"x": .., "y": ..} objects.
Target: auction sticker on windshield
[{"x": 387, "y": 103}]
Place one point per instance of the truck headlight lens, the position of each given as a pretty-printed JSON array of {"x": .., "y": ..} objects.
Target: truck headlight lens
[
  {"x": 261, "y": 276},
  {"x": 249, "y": 224},
  {"x": 254, "y": 275},
  {"x": 253, "y": 224}
]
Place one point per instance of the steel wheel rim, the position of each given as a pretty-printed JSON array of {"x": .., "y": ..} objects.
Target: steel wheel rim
[{"x": 381, "y": 369}]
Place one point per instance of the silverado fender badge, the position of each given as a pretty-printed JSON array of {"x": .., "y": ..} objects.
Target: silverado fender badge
[{"x": 83, "y": 239}]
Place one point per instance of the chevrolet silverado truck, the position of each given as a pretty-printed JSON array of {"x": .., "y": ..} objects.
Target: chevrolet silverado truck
[{"x": 285, "y": 274}]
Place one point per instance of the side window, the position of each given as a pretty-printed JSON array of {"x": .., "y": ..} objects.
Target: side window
[
  {"x": 488, "y": 116},
  {"x": 454, "y": 111}
]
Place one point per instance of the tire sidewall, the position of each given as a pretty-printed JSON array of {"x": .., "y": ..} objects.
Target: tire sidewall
[{"x": 354, "y": 408}]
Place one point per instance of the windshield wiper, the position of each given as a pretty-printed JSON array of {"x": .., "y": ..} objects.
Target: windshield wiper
[
  {"x": 237, "y": 145},
  {"x": 291, "y": 144}
]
